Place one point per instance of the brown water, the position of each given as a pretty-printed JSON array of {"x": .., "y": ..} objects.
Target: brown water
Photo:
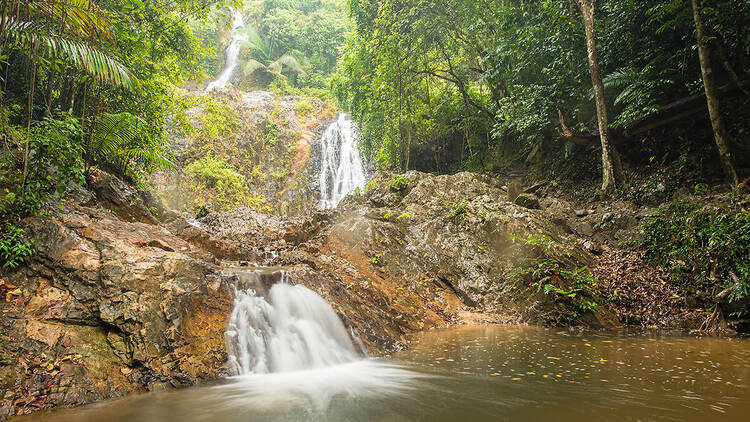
[{"x": 487, "y": 373}]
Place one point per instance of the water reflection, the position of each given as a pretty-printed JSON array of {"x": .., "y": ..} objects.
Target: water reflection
[{"x": 489, "y": 373}]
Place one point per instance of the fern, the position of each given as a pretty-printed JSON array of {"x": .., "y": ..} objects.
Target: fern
[
  {"x": 637, "y": 92},
  {"x": 259, "y": 55},
  {"x": 118, "y": 141}
]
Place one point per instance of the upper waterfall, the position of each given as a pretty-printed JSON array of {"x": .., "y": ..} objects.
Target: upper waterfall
[
  {"x": 341, "y": 169},
  {"x": 232, "y": 53}
]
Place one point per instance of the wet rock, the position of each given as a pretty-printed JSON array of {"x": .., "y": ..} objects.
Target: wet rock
[{"x": 450, "y": 243}]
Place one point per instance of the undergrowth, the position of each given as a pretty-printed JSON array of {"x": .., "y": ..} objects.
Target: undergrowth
[{"x": 705, "y": 248}]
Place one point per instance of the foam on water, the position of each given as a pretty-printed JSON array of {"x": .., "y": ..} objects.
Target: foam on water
[{"x": 292, "y": 329}]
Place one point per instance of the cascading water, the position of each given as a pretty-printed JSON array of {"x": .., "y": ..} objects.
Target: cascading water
[
  {"x": 341, "y": 169},
  {"x": 232, "y": 53},
  {"x": 290, "y": 329}
]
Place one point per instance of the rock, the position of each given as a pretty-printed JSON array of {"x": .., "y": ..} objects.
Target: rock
[
  {"x": 457, "y": 251},
  {"x": 527, "y": 200},
  {"x": 45, "y": 333},
  {"x": 581, "y": 228},
  {"x": 592, "y": 247},
  {"x": 535, "y": 187},
  {"x": 583, "y": 213},
  {"x": 123, "y": 200},
  {"x": 106, "y": 293}
]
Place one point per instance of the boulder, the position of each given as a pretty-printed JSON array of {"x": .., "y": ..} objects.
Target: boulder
[{"x": 527, "y": 200}]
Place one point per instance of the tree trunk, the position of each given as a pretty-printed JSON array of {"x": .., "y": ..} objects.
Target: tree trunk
[
  {"x": 611, "y": 166},
  {"x": 721, "y": 135}
]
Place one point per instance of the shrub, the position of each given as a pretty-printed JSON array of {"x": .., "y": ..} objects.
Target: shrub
[
  {"x": 13, "y": 246},
  {"x": 399, "y": 184},
  {"x": 706, "y": 248},
  {"x": 218, "y": 121},
  {"x": 548, "y": 271},
  {"x": 223, "y": 186}
]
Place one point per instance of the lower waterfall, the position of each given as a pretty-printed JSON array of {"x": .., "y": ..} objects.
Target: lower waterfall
[{"x": 291, "y": 329}]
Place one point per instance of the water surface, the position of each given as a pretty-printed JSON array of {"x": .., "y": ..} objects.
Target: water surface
[{"x": 485, "y": 373}]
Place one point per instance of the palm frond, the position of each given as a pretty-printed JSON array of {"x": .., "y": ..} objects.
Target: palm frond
[
  {"x": 79, "y": 17},
  {"x": 258, "y": 47},
  {"x": 110, "y": 132},
  {"x": 116, "y": 139},
  {"x": 286, "y": 61},
  {"x": 148, "y": 156},
  {"x": 251, "y": 66},
  {"x": 92, "y": 60}
]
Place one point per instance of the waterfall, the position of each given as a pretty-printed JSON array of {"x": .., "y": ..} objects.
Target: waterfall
[
  {"x": 341, "y": 169},
  {"x": 290, "y": 329},
  {"x": 232, "y": 53}
]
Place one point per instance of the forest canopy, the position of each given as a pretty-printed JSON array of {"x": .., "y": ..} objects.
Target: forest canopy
[{"x": 514, "y": 74}]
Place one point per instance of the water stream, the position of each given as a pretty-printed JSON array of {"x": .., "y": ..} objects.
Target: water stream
[
  {"x": 477, "y": 373},
  {"x": 291, "y": 328},
  {"x": 341, "y": 169},
  {"x": 232, "y": 53},
  {"x": 294, "y": 360}
]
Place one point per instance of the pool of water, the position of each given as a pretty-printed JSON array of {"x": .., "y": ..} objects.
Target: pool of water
[{"x": 478, "y": 373}]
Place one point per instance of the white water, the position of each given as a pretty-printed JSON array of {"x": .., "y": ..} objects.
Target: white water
[
  {"x": 291, "y": 329},
  {"x": 341, "y": 168},
  {"x": 232, "y": 53}
]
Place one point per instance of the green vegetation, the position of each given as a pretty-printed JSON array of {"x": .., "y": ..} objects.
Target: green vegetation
[
  {"x": 371, "y": 185},
  {"x": 13, "y": 247},
  {"x": 218, "y": 121},
  {"x": 377, "y": 259},
  {"x": 291, "y": 46},
  {"x": 459, "y": 209},
  {"x": 545, "y": 270},
  {"x": 407, "y": 216},
  {"x": 219, "y": 184},
  {"x": 706, "y": 248},
  {"x": 399, "y": 184},
  {"x": 499, "y": 80},
  {"x": 87, "y": 84}
]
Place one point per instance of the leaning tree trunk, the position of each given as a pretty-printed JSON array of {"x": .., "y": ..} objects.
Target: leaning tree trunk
[
  {"x": 721, "y": 135},
  {"x": 611, "y": 165}
]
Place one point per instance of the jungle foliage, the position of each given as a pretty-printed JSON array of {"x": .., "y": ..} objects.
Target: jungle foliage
[
  {"x": 87, "y": 84},
  {"x": 514, "y": 74},
  {"x": 706, "y": 248}
]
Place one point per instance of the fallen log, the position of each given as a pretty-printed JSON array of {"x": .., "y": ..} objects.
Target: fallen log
[{"x": 672, "y": 112}]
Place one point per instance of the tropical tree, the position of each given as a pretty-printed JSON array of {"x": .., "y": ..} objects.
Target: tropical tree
[
  {"x": 611, "y": 165},
  {"x": 66, "y": 29},
  {"x": 721, "y": 134},
  {"x": 258, "y": 55}
]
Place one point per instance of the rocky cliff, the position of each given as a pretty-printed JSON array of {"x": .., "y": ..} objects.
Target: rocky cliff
[{"x": 249, "y": 149}]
